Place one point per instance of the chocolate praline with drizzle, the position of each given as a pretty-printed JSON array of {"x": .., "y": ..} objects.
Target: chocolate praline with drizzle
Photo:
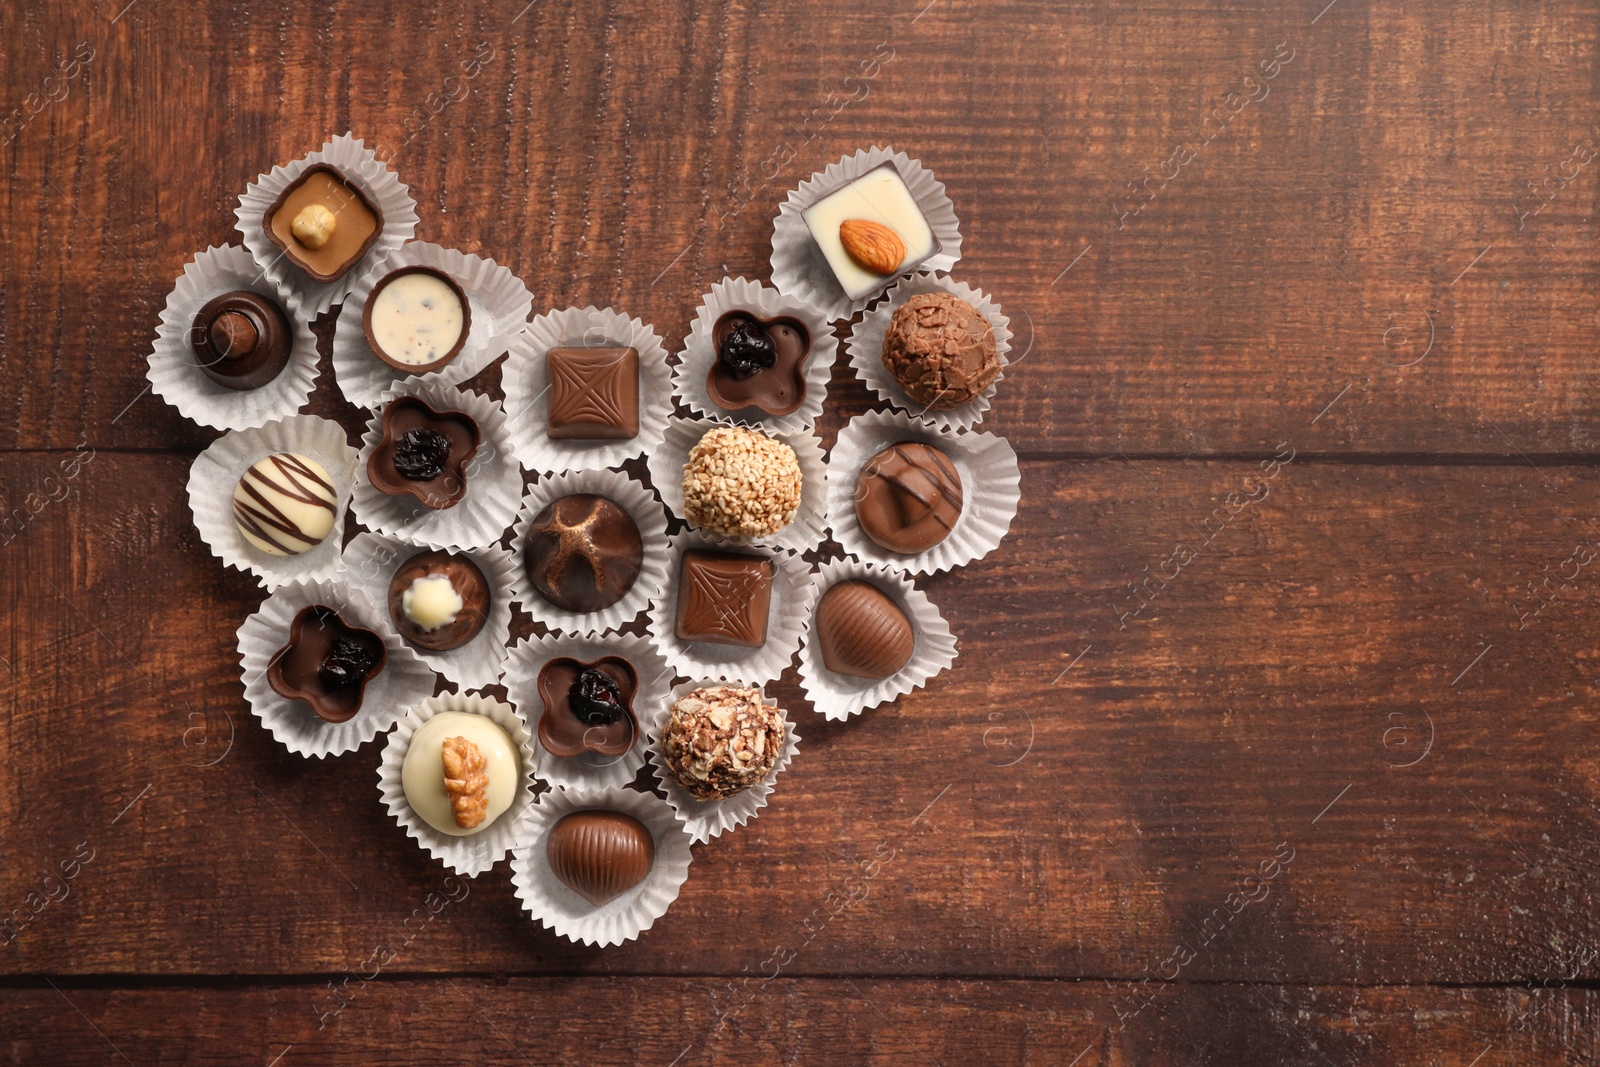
[
  {"x": 423, "y": 453},
  {"x": 584, "y": 552},
  {"x": 327, "y": 663},
  {"x": 241, "y": 340},
  {"x": 908, "y": 497},
  {"x": 588, "y": 707},
  {"x": 760, "y": 363}
]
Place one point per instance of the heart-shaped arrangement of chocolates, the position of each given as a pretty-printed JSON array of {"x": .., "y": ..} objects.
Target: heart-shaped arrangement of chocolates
[{"x": 474, "y": 507}]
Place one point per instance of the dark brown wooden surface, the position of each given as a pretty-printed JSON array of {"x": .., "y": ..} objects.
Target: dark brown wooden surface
[{"x": 1366, "y": 683}]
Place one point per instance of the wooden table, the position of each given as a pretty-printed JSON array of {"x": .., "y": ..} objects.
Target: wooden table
[{"x": 1272, "y": 737}]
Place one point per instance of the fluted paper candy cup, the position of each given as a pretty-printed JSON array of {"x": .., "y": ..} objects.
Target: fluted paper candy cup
[
  {"x": 799, "y": 269},
  {"x": 527, "y": 382},
  {"x": 466, "y": 854},
  {"x": 705, "y": 819},
  {"x": 369, "y": 564},
  {"x": 839, "y": 696},
  {"x": 499, "y": 306},
  {"x": 631, "y": 496},
  {"x": 493, "y": 477},
  {"x": 560, "y": 909},
  {"x": 786, "y": 620},
  {"x": 403, "y": 681},
  {"x": 215, "y": 474},
  {"x": 360, "y": 166},
  {"x": 865, "y": 348},
  {"x": 763, "y": 302},
  {"x": 590, "y": 770},
  {"x": 175, "y": 374},
  {"x": 808, "y": 529},
  {"x": 990, "y": 487}
]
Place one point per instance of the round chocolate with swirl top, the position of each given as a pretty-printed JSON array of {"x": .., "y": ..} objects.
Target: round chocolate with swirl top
[
  {"x": 908, "y": 497},
  {"x": 439, "y": 600},
  {"x": 241, "y": 340},
  {"x": 584, "y": 552}
]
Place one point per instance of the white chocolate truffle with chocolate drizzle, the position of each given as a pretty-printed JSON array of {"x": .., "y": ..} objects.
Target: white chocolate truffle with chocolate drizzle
[
  {"x": 285, "y": 504},
  {"x": 465, "y": 804}
]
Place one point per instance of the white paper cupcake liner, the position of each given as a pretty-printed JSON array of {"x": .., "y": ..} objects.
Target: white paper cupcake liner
[
  {"x": 525, "y": 381},
  {"x": 500, "y": 305},
  {"x": 700, "y": 353},
  {"x": 404, "y": 680},
  {"x": 370, "y": 562},
  {"x": 589, "y": 770},
  {"x": 809, "y": 526},
  {"x": 493, "y": 475},
  {"x": 361, "y": 166},
  {"x": 839, "y": 696},
  {"x": 471, "y": 854},
  {"x": 990, "y": 489},
  {"x": 175, "y": 374},
  {"x": 798, "y": 267},
  {"x": 705, "y": 819},
  {"x": 569, "y": 915},
  {"x": 634, "y": 498},
  {"x": 865, "y": 348},
  {"x": 215, "y": 475},
  {"x": 786, "y": 621}
]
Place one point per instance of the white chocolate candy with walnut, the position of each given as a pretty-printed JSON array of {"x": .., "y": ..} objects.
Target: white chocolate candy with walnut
[{"x": 423, "y": 773}]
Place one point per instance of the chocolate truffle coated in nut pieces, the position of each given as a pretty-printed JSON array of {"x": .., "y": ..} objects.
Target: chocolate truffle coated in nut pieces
[
  {"x": 908, "y": 497},
  {"x": 862, "y": 632},
  {"x": 600, "y": 855},
  {"x": 741, "y": 483},
  {"x": 940, "y": 350},
  {"x": 721, "y": 740},
  {"x": 584, "y": 552}
]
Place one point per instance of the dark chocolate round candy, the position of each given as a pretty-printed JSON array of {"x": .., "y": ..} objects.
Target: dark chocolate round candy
[
  {"x": 241, "y": 340},
  {"x": 439, "y": 600},
  {"x": 862, "y": 632},
  {"x": 584, "y": 552},
  {"x": 908, "y": 497}
]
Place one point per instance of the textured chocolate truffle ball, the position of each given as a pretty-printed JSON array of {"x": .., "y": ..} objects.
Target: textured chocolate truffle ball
[
  {"x": 908, "y": 498},
  {"x": 584, "y": 552},
  {"x": 721, "y": 740},
  {"x": 741, "y": 483},
  {"x": 940, "y": 350}
]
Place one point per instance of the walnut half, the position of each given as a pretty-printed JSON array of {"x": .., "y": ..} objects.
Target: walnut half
[{"x": 465, "y": 781}]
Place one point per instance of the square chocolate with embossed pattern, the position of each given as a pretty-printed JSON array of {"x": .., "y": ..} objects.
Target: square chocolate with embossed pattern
[
  {"x": 593, "y": 394},
  {"x": 724, "y": 597}
]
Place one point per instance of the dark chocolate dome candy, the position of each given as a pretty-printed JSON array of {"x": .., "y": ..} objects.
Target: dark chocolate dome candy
[
  {"x": 584, "y": 552},
  {"x": 862, "y": 632}
]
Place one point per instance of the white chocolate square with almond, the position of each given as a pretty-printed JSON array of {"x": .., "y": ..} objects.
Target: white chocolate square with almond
[{"x": 881, "y": 196}]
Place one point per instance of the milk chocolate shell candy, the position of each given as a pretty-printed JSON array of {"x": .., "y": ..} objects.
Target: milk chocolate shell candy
[
  {"x": 862, "y": 632},
  {"x": 423, "y": 453},
  {"x": 285, "y": 504},
  {"x": 323, "y": 222},
  {"x": 241, "y": 340},
  {"x": 908, "y": 497},
  {"x": 439, "y": 600},
  {"x": 600, "y": 855},
  {"x": 721, "y": 740},
  {"x": 584, "y": 552},
  {"x": 326, "y": 663},
  {"x": 940, "y": 351},
  {"x": 461, "y": 772}
]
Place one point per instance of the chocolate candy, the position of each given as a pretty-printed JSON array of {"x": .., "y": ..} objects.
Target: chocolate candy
[
  {"x": 593, "y": 394},
  {"x": 416, "y": 319},
  {"x": 327, "y": 663},
  {"x": 879, "y": 197},
  {"x": 584, "y": 552},
  {"x": 588, "y": 707},
  {"x": 862, "y": 632},
  {"x": 739, "y": 482},
  {"x": 724, "y": 598},
  {"x": 908, "y": 497},
  {"x": 285, "y": 504},
  {"x": 600, "y": 855},
  {"x": 439, "y": 600},
  {"x": 356, "y": 222},
  {"x": 940, "y": 350},
  {"x": 760, "y": 363},
  {"x": 460, "y": 773},
  {"x": 423, "y": 453},
  {"x": 721, "y": 740},
  {"x": 241, "y": 339}
]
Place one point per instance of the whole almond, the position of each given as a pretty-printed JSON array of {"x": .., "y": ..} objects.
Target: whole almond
[{"x": 874, "y": 246}]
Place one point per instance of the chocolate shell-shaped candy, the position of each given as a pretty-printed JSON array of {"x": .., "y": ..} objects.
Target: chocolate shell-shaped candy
[
  {"x": 862, "y": 632},
  {"x": 600, "y": 855},
  {"x": 327, "y": 663}
]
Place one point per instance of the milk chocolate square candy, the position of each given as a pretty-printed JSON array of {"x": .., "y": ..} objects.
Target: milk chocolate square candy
[
  {"x": 593, "y": 394},
  {"x": 723, "y": 598}
]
